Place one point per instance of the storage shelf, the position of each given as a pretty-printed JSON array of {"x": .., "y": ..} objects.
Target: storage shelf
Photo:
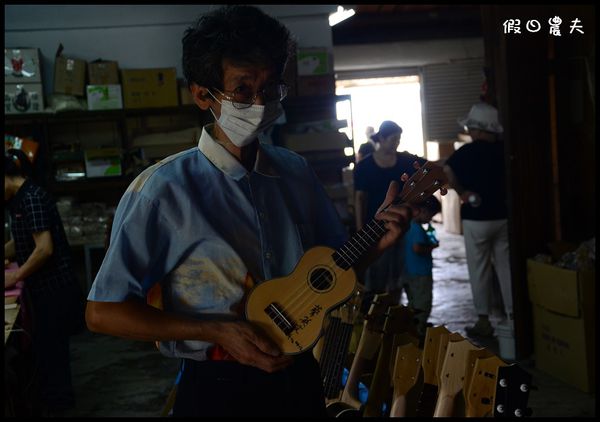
[
  {"x": 99, "y": 114},
  {"x": 90, "y": 184}
]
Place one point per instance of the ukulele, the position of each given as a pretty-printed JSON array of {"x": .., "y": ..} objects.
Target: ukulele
[
  {"x": 291, "y": 309},
  {"x": 481, "y": 390},
  {"x": 368, "y": 346},
  {"x": 452, "y": 375},
  {"x": 407, "y": 365},
  {"x": 512, "y": 392},
  {"x": 431, "y": 348}
]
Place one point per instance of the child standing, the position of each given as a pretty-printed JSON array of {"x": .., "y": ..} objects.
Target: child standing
[{"x": 417, "y": 279}]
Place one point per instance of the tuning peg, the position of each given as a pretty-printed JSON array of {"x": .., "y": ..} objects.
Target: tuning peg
[
  {"x": 404, "y": 177},
  {"x": 443, "y": 191},
  {"x": 519, "y": 413}
]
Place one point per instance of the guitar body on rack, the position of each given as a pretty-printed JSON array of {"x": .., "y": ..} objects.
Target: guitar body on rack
[{"x": 291, "y": 309}]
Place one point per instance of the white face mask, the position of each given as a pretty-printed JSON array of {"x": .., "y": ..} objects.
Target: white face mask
[{"x": 243, "y": 126}]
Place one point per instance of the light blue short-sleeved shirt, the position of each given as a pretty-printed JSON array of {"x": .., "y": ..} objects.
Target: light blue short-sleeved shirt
[{"x": 199, "y": 223}]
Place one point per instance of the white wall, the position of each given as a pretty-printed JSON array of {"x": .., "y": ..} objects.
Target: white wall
[{"x": 137, "y": 36}]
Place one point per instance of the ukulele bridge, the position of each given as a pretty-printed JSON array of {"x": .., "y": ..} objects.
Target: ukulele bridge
[{"x": 278, "y": 316}]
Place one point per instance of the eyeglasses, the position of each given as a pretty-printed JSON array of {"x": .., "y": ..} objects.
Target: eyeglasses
[{"x": 243, "y": 96}]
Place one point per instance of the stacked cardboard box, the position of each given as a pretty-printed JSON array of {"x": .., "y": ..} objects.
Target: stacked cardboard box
[
  {"x": 144, "y": 88},
  {"x": 564, "y": 322},
  {"x": 315, "y": 72},
  {"x": 69, "y": 75},
  {"x": 23, "y": 91},
  {"x": 104, "y": 90}
]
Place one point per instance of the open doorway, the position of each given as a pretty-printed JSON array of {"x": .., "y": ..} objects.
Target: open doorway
[{"x": 374, "y": 100}]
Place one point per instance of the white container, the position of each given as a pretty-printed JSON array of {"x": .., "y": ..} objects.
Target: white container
[{"x": 506, "y": 341}]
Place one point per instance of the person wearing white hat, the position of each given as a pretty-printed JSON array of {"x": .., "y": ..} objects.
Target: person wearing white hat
[{"x": 477, "y": 172}]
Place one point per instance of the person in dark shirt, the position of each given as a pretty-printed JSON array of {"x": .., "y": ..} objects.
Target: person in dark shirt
[
  {"x": 372, "y": 176},
  {"x": 477, "y": 172},
  {"x": 40, "y": 248},
  {"x": 367, "y": 147}
]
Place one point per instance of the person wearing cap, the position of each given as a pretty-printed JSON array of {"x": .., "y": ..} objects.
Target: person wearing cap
[
  {"x": 477, "y": 172},
  {"x": 372, "y": 176}
]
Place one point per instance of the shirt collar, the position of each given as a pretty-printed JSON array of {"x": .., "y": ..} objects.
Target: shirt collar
[{"x": 227, "y": 163}]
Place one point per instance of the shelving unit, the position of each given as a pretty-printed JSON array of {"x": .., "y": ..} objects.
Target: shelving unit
[
  {"x": 327, "y": 163},
  {"x": 51, "y": 130}
]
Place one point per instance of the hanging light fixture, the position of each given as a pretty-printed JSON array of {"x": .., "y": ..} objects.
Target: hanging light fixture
[{"x": 340, "y": 15}]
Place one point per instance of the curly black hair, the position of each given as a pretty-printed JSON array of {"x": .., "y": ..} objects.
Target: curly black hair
[
  {"x": 16, "y": 163},
  {"x": 242, "y": 34}
]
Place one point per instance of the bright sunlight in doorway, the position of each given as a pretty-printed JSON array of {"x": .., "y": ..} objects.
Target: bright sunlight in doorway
[{"x": 374, "y": 100}]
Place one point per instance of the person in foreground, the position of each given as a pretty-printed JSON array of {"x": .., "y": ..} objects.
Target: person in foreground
[{"x": 193, "y": 233}]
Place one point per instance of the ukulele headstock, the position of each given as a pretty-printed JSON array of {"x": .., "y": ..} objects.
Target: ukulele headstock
[
  {"x": 430, "y": 353},
  {"x": 423, "y": 183},
  {"x": 512, "y": 392}
]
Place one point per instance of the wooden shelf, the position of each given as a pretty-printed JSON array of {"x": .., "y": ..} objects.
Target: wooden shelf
[
  {"x": 99, "y": 114},
  {"x": 92, "y": 183}
]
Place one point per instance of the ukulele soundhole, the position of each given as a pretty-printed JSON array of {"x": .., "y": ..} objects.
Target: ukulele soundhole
[{"x": 321, "y": 279}]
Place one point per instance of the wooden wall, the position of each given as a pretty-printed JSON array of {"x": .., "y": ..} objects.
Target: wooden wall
[{"x": 545, "y": 98}]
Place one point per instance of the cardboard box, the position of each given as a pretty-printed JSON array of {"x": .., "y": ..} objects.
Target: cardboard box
[
  {"x": 22, "y": 65},
  {"x": 23, "y": 98},
  {"x": 316, "y": 141},
  {"x": 564, "y": 322},
  {"x": 144, "y": 88},
  {"x": 103, "y": 72},
  {"x": 314, "y": 61},
  {"x": 315, "y": 85},
  {"x": 103, "y": 162},
  {"x": 185, "y": 96},
  {"x": 69, "y": 76},
  {"x": 104, "y": 97}
]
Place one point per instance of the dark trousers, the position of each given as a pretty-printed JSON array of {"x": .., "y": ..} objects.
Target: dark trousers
[
  {"x": 224, "y": 388},
  {"x": 55, "y": 316}
]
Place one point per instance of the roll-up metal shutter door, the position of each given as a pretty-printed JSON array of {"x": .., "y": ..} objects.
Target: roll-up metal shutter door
[{"x": 448, "y": 92}]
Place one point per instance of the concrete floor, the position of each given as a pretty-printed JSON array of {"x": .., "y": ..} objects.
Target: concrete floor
[{"x": 117, "y": 377}]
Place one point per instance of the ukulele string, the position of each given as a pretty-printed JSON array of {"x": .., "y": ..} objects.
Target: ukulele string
[
  {"x": 300, "y": 300},
  {"x": 304, "y": 292},
  {"x": 344, "y": 256}
]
